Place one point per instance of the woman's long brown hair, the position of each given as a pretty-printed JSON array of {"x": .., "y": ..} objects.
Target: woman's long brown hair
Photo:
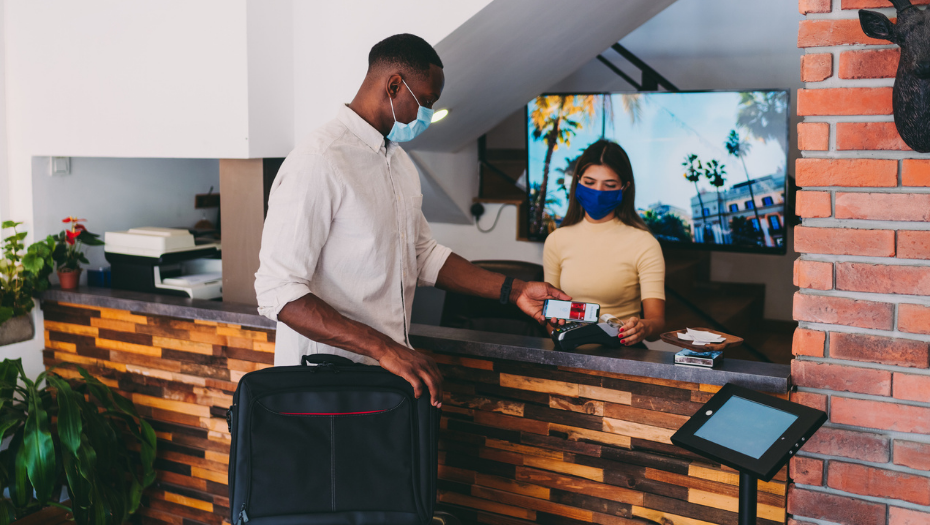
[{"x": 610, "y": 154}]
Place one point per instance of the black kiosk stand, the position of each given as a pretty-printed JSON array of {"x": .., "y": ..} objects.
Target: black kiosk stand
[{"x": 753, "y": 433}]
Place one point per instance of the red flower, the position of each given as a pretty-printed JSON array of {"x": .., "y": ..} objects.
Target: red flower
[
  {"x": 80, "y": 227},
  {"x": 71, "y": 236}
]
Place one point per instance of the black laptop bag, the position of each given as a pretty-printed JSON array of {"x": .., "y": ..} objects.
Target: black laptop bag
[{"x": 331, "y": 442}]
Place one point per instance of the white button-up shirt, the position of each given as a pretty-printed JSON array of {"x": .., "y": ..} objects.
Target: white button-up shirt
[{"x": 344, "y": 223}]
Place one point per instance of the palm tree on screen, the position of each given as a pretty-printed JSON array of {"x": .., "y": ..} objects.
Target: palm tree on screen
[
  {"x": 633, "y": 106},
  {"x": 556, "y": 119},
  {"x": 693, "y": 174},
  {"x": 716, "y": 176},
  {"x": 763, "y": 115},
  {"x": 740, "y": 149}
]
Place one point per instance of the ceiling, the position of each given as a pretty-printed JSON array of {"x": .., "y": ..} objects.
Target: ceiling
[{"x": 512, "y": 50}]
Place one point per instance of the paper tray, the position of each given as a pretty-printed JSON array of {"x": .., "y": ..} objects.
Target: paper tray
[{"x": 672, "y": 339}]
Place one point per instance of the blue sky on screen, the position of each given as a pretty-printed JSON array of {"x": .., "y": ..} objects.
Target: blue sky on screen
[{"x": 671, "y": 126}]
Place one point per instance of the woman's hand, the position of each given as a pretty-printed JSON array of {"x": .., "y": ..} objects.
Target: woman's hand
[{"x": 632, "y": 331}]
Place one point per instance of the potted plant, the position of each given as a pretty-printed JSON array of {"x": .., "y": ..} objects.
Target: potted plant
[
  {"x": 23, "y": 273},
  {"x": 99, "y": 449},
  {"x": 69, "y": 253}
]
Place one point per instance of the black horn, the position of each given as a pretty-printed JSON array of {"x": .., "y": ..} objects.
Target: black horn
[{"x": 901, "y": 5}]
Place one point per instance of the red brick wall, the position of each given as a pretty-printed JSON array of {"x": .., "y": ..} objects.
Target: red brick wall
[{"x": 861, "y": 351}]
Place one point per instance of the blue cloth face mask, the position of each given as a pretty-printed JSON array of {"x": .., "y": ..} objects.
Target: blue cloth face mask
[
  {"x": 597, "y": 203},
  {"x": 403, "y": 132}
]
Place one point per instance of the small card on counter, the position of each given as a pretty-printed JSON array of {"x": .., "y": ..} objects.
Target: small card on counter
[
  {"x": 700, "y": 337},
  {"x": 708, "y": 359}
]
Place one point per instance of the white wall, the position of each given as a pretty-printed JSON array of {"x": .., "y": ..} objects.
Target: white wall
[
  {"x": 270, "y": 37},
  {"x": 332, "y": 41},
  {"x": 454, "y": 173},
  {"x": 499, "y": 243},
  {"x": 4, "y": 169},
  {"x": 118, "y": 194},
  {"x": 29, "y": 351},
  {"x": 129, "y": 79},
  {"x": 696, "y": 44}
]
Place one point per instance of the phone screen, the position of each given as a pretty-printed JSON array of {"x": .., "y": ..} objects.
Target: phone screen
[{"x": 572, "y": 311}]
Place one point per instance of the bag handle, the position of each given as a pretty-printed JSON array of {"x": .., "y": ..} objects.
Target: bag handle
[{"x": 326, "y": 359}]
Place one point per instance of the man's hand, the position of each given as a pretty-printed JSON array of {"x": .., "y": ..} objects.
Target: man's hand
[
  {"x": 419, "y": 370},
  {"x": 531, "y": 296},
  {"x": 311, "y": 317}
]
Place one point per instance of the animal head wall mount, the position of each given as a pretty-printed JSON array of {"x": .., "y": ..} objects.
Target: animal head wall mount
[{"x": 911, "y": 97}]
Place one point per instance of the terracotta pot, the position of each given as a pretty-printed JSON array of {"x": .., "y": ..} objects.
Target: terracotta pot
[
  {"x": 69, "y": 278},
  {"x": 17, "y": 329}
]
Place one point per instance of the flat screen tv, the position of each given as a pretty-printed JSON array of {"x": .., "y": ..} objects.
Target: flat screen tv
[{"x": 709, "y": 166}]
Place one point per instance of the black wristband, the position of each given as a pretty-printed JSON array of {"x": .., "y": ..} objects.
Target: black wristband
[{"x": 505, "y": 290}]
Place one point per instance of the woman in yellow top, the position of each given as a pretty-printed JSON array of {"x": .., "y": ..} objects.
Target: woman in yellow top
[{"x": 602, "y": 252}]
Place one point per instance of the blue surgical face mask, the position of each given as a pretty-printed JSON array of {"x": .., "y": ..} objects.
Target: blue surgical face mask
[
  {"x": 401, "y": 132},
  {"x": 597, "y": 203}
]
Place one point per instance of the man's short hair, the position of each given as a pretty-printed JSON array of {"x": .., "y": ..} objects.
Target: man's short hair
[{"x": 409, "y": 53}]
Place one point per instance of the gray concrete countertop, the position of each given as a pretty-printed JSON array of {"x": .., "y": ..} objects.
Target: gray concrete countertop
[
  {"x": 765, "y": 377},
  {"x": 158, "y": 304}
]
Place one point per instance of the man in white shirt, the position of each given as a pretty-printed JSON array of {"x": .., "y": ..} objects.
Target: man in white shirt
[{"x": 345, "y": 242}]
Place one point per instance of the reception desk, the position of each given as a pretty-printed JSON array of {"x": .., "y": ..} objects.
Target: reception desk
[{"x": 529, "y": 434}]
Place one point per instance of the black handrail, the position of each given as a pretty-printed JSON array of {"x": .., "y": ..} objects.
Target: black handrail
[{"x": 651, "y": 79}]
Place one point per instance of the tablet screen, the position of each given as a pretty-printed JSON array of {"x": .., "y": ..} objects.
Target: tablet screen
[{"x": 759, "y": 426}]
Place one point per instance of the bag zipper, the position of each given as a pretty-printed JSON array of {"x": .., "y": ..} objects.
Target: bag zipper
[
  {"x": 232, "y": 455},
  {"x": 368, "y": 412},
  {"x": 243, "y": 517}
]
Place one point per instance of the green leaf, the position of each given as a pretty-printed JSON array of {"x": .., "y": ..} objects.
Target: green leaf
[
  {"x": 10, "y": 224},
  {"x": 135, "y": 496},
  {"x": 18, "y": 365},
  {"x": 8, "y": 422},
  {"x": 40, "y": 450},
  {"x": 6, "y": 313},
  {"x": 99, "y": 390},
  {"x": 7, "y": 512},
  {"x": 69, "y": 415},
  {"x": 119, "y": 501},
  {"x": 8, "y": 373},
  {"x": 79, "y": 487},
  {"x": 90, "y": 239},
  {"x": 20, "y": 488},
  {"x": 100, "y": 509},
  {"x": 33, "y": 263},
  {"x": 87, "y": 459},
  {"x": 41, "y": 249},
  {"x": 149, "y": 450}
]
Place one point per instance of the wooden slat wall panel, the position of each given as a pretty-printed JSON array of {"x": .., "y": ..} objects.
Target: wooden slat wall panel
[
  {"x": 181, "y": 375},
  {"x": 525, "y": 443},
  {"x": 520, "y": 443}
]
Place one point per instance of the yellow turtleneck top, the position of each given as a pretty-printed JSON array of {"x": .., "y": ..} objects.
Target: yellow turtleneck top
[{"x": 609, "y": 263}]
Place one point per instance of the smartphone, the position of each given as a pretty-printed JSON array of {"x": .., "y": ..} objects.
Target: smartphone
[{"x": 571, "y": 311}]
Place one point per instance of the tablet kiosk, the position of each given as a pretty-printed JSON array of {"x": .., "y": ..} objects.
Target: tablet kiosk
[{"x": 753, "y": 433}]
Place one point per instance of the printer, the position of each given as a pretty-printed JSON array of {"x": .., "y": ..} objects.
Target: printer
[{"x": 164, "y": 260}]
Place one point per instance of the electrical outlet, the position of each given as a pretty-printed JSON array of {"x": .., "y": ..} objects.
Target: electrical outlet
[{"x": 60, "y": 166}]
